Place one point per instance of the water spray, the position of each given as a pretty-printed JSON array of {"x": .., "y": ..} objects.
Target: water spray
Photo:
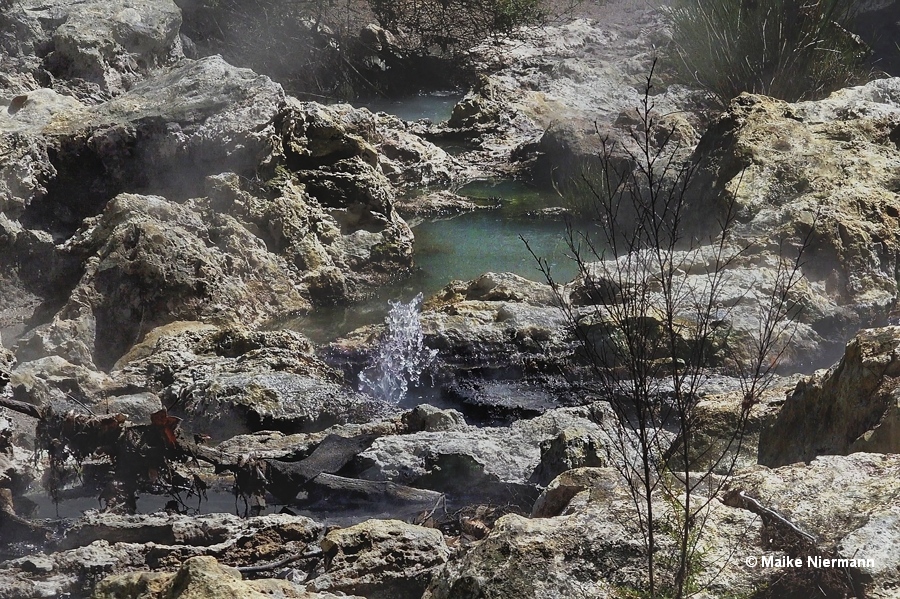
[{"x": 401, "y": 357}]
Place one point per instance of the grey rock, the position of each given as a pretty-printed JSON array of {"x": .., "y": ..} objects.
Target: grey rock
[
  {"x": 91, "y": 49},
  {"x": 468, "y": 459},
  {"x": 430, "y": 418},
  {"x": 149, "y": 261},
  {"x": 381, "y": 559},
  {"x": 571, "y": 448},
  {"x": 200, "y": 577},
  {"x": 851, "y": 407},
  {"x": 232, "y": 380}
]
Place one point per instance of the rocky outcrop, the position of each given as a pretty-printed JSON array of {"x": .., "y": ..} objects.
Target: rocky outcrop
[
  {"x": 198, "y": 578},
  {"x": 381, "y": 559},
  {"x": 824, "y": 169},
  {"x": 323, "y": 231},
  {"x": 498, "y": 321},
  {"x": 92, "y": 50},
  {"x": 852, "y": 407},
  {"x": 489, "y": 463},
  {"x": 148, "y": 261},
  {"x": 103, "y": 544},
  {"x": 847, "y": 503},
  {"x": 232, "y": 380},
  {"x": 590, "y": 546}
]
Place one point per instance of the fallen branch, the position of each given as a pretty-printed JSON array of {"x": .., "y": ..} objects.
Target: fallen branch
[
  {"x": 295, "y": 557},
  {"x": 739, "y": 499}
]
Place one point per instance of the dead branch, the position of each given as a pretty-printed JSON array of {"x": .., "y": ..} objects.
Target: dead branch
[
  {"x": 310, "y": 552},
  {"x": 737, "y": 498}
]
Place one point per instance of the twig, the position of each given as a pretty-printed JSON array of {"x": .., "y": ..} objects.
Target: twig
[
  {"x": 739, "y": 499},
  {"x": 310, "y": 552}
]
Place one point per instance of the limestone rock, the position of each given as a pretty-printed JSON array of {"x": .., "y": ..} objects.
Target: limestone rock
[
  {"x": 48, "y": 381},
  {"x": 428, "y": 418},
  {"x": 854, "y": 406},
  {"x": 554, "y": 499},
  {"x": 199, "y": 577},
  {"x": 432, "y": 205},
  {"x": 149, "y": 261},
  {"x": 92, "y": 49},
  {"x": 232, "y": 380},
  {"x": 484, "y": 462},
  {"x": 113, "y": 45},
  {"x": 498, "y": 320},
  {"x": 7, "y": 362},
  {"x": 848, "y": 502},
  {"x": 783, "y": 164},
  {"x": 408, "y": 160},
  {"x": 381, "y": 559},
  {"x": 571, "y": 448}
]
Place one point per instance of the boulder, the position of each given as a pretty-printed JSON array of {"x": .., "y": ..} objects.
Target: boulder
[
  {"x": 52, "y": 381},
  {"x": 824, "y": 169},
  {"x": 853, "y": 406},
  {"x": 148, "y": 261},
  {"x": 92, "y": 50},
  {"x": 381, "y": 559},
  {"x": 488, "y": 462},
  {"x": 199, "y": 577},
  {"x": 232, "y": 380}
]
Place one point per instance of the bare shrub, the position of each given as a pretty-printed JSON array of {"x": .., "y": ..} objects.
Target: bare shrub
[{"x": 648, "y": 311}]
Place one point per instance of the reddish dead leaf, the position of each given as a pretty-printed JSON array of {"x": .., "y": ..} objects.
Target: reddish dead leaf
[{"x": 167, "y": 425}]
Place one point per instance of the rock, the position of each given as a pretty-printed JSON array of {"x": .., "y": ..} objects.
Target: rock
[
  {"x": 232, "y": 380},
  {"x": 750, "y": 281},
  {"x": 408, "y": 160},
  {"x": 499, "y": 326},
  {"x": 199, "y": 577},
  {"x": 114, "y": 45},
  {"x": 205, "y": 530},
  {"x": 479, "y": 109},
  {"x": 430, "y": 418},
  {"x": 556, "y": 497},
  {"x": 593, "y": 547},
  {"x": 497, "y": 322},
  {"x": 436, "y": 204},
  {"x": 586, "y": 554},
  {"x": 50, "y": 381},
  {"x": 482, "y": 462},
  {"x": 381, "y": 559},
  {"x": 571, "y": 448},
  {"x": 851, "y": 407},
  {"x": 26, "y": 170},
  {"x": 158, "y": 542},
  {"x": 821, "y": 168},
  {"x": 149, "y": 261},
  {"x": 17, "y": 467},
  {"x": 7, "y": 362},
  {"x": 93, "y": 49},
  {"x": 329, "y": 154},
  {"x": 848, "y": 502},
  {"x": 722, "y": 442},
  {"x": 568, "y": 151}
]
